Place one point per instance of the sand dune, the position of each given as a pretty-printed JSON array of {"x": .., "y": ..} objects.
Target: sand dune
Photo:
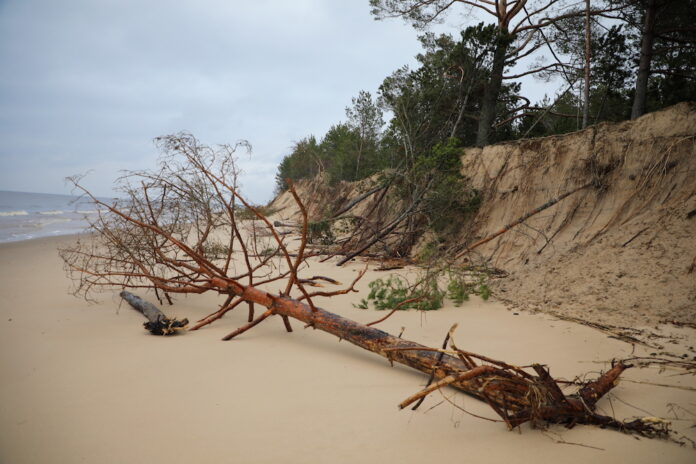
[{"x": 85, "y": 383}]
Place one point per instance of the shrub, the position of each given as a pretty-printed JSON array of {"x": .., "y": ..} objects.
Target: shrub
[
  {"x": 389, "y": 293},
  {"x": 320, "y": 232}
]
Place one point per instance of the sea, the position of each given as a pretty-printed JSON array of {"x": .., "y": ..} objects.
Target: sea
[{"x": 25, "y": 216}]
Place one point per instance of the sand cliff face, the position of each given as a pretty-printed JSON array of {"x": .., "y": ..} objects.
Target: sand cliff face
[{"x": 619, "y": 250}]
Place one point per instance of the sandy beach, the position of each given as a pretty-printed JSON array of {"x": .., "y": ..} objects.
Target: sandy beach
[{"x": 84, "y": 382}]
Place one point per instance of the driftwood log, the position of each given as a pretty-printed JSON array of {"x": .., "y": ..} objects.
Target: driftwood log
[{"x": 157, "y": 323}]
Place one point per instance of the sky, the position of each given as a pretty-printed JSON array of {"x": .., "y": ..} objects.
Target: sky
[{"x": 86, "y": 85}]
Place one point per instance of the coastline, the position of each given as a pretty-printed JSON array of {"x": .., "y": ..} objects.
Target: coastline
[
  {"x": 85, "y": 382},
  {"x": 67, "y": 236}
]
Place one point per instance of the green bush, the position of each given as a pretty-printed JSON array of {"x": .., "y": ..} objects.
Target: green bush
[
  {"x": 245, "y": 214},
  {"x": 461, "y": 285},
  {"x": 389, "y": 293},
  {"x": 320, "y": 232}
]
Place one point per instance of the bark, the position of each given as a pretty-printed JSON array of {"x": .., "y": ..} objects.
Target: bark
[
  {"x": 588, "y": 52},
  {"x": 490, "y": 95},
  {"x": 646, "y": 52},
  {"x": 514, "y": 394},
  {"x": 517, "y": 396},
  {"x": 157, "y": 323},
  {"x": 460, "y": 115}
]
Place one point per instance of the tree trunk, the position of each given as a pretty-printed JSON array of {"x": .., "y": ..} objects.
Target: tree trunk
[
  {"x": 490, "y": 95},
  {"x": 453, "y": 133},
  {"x": 514, "y": 394},
  {"x": 588, "y": 52},
  {"x": 646, "y": 52}
]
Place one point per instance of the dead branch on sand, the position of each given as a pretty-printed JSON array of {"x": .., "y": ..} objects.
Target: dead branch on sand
[
  {"x": 157, "y": 323},
  {"x": 178, "y": 233}
]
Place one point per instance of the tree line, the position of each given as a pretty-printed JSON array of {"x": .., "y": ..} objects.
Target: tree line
[{"x": 616, "y": 59}]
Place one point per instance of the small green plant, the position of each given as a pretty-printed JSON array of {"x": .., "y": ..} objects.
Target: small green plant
[
  {"x": 457, "y": 292},
  {"x": 392, "y": 292},
  {"x": 320, "y": 232},
  {"x": 245, "y": 214},
  {"x": 462, "y": 284},
  {"x": 215, "y": 250},
  {"x": 269, "y": 251},
  {"x": 426, "y": 292},
  {"x": 484, "y": 291},
  {"x": 428, "y": 252}
]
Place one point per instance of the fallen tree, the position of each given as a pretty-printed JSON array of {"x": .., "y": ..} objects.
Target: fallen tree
[{"x": 177, "y": 232}]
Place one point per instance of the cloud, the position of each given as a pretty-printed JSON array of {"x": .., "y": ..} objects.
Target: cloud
[{"x": 86, "y": 85}]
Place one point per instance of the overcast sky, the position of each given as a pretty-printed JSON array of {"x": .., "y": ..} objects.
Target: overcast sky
[{"x": 85, "y": 85}]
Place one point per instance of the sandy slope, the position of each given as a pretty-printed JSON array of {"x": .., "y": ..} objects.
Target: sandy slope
[
  {"x": 619, "y": 251},
  {"x": 85, "y": 383}
]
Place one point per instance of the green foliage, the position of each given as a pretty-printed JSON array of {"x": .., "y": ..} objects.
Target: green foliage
[
  {"x": 246, "y": 214},
  {"x": 484, "y": 291},
  {"x": 443, "y": 157},
  {"x": 304, "y": 162},
  {"x": 450, "y": 195},
  {"x": 442, "y": 97},
  {"x": 339, "y": 153},
  {"x": 215, "y": 250},
  {"x": 457, "y": 292},
  {"x": 435, "y": 106},
  {"x": 347, "y": 152},
  {"x": 320, "y": 232},
  {"x": 429, "y": 104},
  {"x": 389, "y": 293},
  {"x": 428, "y": 252},
  {"x": 462, "y": 285},
  {"x": 269, "y": 251}
]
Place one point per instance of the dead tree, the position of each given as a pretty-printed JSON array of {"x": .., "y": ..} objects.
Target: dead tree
[{"x": 178, "y": 232}]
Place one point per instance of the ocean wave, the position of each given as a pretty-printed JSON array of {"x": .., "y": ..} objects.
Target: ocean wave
[
  {"x": 51, "y": 213},
  {"x": 48, "y": 222},
  {"x": 92, "y": 211},
  {"x": 13, "y": 213}
]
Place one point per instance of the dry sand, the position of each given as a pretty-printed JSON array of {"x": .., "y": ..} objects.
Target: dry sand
[
  {"x": 619, "y": 252},
  {"x": 85, "y": 383}
]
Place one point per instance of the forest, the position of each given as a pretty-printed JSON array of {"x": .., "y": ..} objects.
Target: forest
[{"x": 612, "y": 60}]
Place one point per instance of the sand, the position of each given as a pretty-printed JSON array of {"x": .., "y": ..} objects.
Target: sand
[
  {"x": 618, "y": 252},
  {"x": 621, "y": 251},
  {"x": 85, "y": 383}
]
